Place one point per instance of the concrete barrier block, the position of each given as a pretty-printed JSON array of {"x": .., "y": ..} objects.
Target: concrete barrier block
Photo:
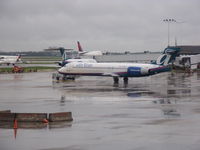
[
  {"x": 6, "y": 124},
  {"x": 60, "y": 116},
  {"x": 7, "y": 116},
  {"x": 31, "y": 125},
  {"x": 31, "y": 117},
  {"x": 60, "y": 124}
]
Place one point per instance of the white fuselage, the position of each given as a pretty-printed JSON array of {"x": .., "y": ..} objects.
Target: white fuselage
[
  {"x": 9, "y": 59},
  {"x": 81, "y": 60},
  {"x": 91, "y": 53},
  {"x": 64, "y": 62},
  {"x": 109, "y": 69}
]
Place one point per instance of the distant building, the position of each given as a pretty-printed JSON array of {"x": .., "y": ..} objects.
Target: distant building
[
  {"x": 189, "y": 57},
  {"x": 189, "y": 49}
]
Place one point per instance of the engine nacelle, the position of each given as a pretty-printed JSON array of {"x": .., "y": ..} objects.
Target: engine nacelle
[
  {"x": 145, "y": 71},
  {"x": 137, "y": 71}
]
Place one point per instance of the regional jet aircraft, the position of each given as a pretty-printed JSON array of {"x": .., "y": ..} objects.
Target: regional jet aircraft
[
  {"x": 10, "y": 59},
  {"x": 87, "y": 53},
  {"x": 124, "y": 70},
  {"x": 68, "y": 56}
]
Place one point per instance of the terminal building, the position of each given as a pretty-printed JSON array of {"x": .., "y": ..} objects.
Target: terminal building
[
  {"x": 189, "y": 50},
  {"x": 189, "y": 57}
]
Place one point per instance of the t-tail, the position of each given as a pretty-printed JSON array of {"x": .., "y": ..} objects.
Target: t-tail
[
  {"x": 79, "y": 47},
  {"x": 62, "y": 51},
  {"x": 168, "y": 56}
]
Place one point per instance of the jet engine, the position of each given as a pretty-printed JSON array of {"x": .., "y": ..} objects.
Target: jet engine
[{"x": 137, "y": 71}]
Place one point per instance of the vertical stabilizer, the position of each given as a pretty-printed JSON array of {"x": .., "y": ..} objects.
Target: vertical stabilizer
[
  {"x": 168, "y": 56},
  {"x": 79, "y": 47},
  {"x": 62, "y": 50},
  {"x": 18, "y": 58}
]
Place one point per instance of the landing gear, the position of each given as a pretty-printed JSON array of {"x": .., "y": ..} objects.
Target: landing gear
[
  {"x": 116, "y": 80},
  {"x": 125, "y": 80},
  {"x": 60, "y": 77}
]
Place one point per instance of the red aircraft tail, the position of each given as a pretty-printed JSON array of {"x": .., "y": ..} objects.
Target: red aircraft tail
[
  {"x": 18, "y": 58},
  {"x": 79, "y": 47}
]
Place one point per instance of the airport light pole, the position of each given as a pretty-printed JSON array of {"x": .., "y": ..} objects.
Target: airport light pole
[{"x": 168, "y": 21}]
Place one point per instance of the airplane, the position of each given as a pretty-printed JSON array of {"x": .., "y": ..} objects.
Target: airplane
[
  {"x": 124, "y": 70},
  {"x": 86, "y": 53},
  {"x": 68, "y": 56},
  {"x": 4, "y": 59}
]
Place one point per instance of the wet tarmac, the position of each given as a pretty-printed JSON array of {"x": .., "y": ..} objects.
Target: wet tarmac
[{"x": 157, "y": 112}]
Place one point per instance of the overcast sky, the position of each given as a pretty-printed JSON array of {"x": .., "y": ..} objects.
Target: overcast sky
[{"x": 107, "y": 25}]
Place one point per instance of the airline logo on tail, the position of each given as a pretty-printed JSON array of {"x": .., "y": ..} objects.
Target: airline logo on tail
[
  {"x": 168, "y": 56},
  {"x": 10, "y": 59},
  {"x": 79, "y": 47}
]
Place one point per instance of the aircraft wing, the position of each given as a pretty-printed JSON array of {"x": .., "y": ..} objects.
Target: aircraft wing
[
  {"x": 111, "y": 74},
  {"x": 82, "y": 53}
]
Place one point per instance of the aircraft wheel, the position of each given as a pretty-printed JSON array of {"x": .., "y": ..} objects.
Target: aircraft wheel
[
  {"x": 125, "y": 79},
  {"x": 57, "y": 78},
  {"x": 116, "y": 79}
]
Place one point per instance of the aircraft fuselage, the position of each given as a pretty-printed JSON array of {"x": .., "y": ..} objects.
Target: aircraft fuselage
[
  {"x": 9, "y": 59},
  {"x": 112, "y": 69}
]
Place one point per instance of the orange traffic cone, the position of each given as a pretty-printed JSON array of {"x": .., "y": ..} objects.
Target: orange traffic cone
[{"x": 15, "y": 124}]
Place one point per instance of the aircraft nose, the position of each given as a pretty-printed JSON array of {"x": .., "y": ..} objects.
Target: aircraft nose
[{"x": 61, "y": 70}]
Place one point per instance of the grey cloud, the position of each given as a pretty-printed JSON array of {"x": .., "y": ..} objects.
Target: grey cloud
[{"x": 105, "y": 25}]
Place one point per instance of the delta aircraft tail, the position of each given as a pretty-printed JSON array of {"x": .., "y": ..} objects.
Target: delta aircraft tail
[
  {"x": 18, "y": 58},
  {"x": 87, "y": 53},
  {"x": 79, "y": 47}
]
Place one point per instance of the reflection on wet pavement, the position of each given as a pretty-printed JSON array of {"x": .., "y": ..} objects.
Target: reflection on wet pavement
[
  {"x": 158, "y": 112},
  {"x": 35, "y": 125}
]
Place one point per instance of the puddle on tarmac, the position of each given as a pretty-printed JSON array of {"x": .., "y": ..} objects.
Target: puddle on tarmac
[{"x": 157, "y": 112}]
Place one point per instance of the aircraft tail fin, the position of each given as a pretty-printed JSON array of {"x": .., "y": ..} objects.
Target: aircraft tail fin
[
  {"x": 19, "y": 57},
  {"x": 79, "y": 47},
  {"x": 168, "y": 56},
  {"x": 62, "y": 51}
]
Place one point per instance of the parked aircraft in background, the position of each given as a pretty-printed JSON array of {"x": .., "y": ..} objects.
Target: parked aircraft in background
[
  {"x": 10, "y": 59},
  {"x": 68, "y": 56},
  {"x": 124, "y": 70},
  {"x": 87, "y": 53},
  {"x": 64, "y": 62}
]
